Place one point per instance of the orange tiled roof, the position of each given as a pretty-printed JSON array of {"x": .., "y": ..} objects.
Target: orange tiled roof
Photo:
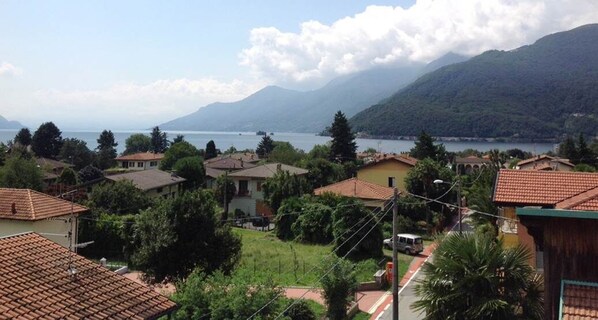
[
  {"x": 545, "y": 157},
  {"x": 579, "y": 301},
  {"x": 357, "y": 189},
  {"x": 142, "y": 156},
  {"x": 35, "y": 284},
  {"x": 400, "y": 158},
  {"x": 33, "y": 205},
  {"x": 586, "y": 201},
  {"x": 541, "y": 188}
]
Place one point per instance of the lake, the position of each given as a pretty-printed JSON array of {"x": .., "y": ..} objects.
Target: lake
[{"x": 305, "y": 141}]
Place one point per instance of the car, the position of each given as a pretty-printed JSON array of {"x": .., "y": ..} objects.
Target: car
[{"x": 408, "y": 243}]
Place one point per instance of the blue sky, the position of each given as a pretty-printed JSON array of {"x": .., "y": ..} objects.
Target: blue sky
[{"x": 134, "y": 64}]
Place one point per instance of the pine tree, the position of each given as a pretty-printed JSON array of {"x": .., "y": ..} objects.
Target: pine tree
[
  {"x": 343, "y": 145},
  {"x": 265, "y": 147},
  {"x": 106, "y": 150},
  {"x": 425, "y": 148},
  {"x": 23, "y": 137},
  {"x": 211, "y": 150},
  {"x": 159, "y": 140},
  {"x": 584, "y": 153},
  {"x": 568, "y": 150}
]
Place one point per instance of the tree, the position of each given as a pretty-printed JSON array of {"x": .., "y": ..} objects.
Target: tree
[
  {"x": 323, "y": 172},
  {"x": 75, "y": 152},
  {"x": 47, "y": 141},
  {"x": 176, "y": 152},
  {"x": 281, "y": 186},
  {"x": 181, "y": 234},
  {"x": 356, "y": 234},
  {"x": 23, "y": 137},
  {"x": 178, "y": 138},
  {"x": 314, "y": 224},
  {"x": 265, "y": 146},
  {"x": 475, "y": 277},
  {"x": 568, "y": 150},
  {"x": 90, "y": 173},
  {"x": 584, "y": 153},
  {"x": 120, "y": 197},
  {"x": 211, "y": 150},
  {"x": 284, "y": 152},
  {"x": 137, "y": 142},
  {"x": 300, "y": 311},
  {"x": 21, "y": 173},
  {"x": 159, "y": 141},
  {"x": 106, "y": 150},
  {"x": 287, "y": 215},
  {"x": 343, "y": 145},
  {"x": 225, "y": 191},
  {"x": 190, "y": 168},
  {"x": 425, "y": 148},
  {"x": 338, "y": 284},
  {"x": 68, "y": 177}
]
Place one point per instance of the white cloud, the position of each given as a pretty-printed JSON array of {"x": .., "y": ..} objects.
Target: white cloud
[
  {"x": 7, "y": 69},
  {"x": 131, "y": 105},
  {"x": 384, "y": 35}
]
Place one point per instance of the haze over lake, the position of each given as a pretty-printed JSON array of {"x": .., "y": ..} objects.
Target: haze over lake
[{"x": 305, "y": 141}]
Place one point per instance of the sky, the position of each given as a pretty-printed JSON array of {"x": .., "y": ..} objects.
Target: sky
[{"x": 92, "y": 65}]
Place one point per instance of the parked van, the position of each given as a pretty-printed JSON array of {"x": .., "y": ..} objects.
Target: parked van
[{"x": 408, "y": 243}]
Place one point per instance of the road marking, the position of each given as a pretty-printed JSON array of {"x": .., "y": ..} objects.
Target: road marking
[{"x": 379, "y": 302}]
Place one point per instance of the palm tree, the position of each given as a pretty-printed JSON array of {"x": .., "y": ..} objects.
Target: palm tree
[{"x": 474, "y": 277}]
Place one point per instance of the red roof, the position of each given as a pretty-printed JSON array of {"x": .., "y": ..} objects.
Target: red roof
[
  {"x": 579, "y": 301},
  {"x": 357, "y": 189},
  {"x": 27, "y": 204},
  {"x": 400, "y": 158},
  {"x": 541, "y": 188},
  {"x": 35, "y": 283},
  {"x": 142, "y": 156}
]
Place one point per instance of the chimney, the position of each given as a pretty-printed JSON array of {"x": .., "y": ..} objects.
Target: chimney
[
  {"x": 13, "y": 208},
  {"x": 278, "y": 167},
  {"x": 241, "y": 163}
]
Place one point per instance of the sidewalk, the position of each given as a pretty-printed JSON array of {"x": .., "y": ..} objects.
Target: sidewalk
[{"x": 365, "y": 299}]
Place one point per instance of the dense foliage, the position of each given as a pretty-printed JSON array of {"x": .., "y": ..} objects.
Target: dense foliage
[
  {"x": 211, "y": 151},
  {"x": 47, "y": 141},
  {"x": 176, "y": 152},
  {"x": 75, "y": 152},
  {"x": 120, "y": 197},
  {"x": 356, "y": 234},
  {"x": 20, "y": 173},
  {"x": 190, "y": 168},
  {"x": 343, "y": 145},
  {"x": 224, "y": 192},
  {"x": 265, "y": 146},
  {"x": 106, "y": 150},
  {"x": 137, "y": 142},
  {"x": 23, "y": 137},
  {"x": 538, "y": 91},
  {"x": 159, "y": 140},
  {"x": 282, "y": 186},
  {"x": 338, "y": 284}
]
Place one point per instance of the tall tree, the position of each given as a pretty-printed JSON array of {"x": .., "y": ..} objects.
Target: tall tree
[
  {"x": 343, "y": 145},
  {"x": 265, "y": 146},
  {"x": 23, "y": 137},
  {"x": 47, "y": 141},
  {"x": 211, "y": 150},
  {"x": 355, "y": 231},
  {"x": 475, "y": 277},
  {"x": 281, "y": 186},
  {"x": 176, "y": 152},
  {"x": 178, "y": 138},
  {"x": 567, "y": 149},
  {"x": 21, "y": 173},
  {"x": 75, "y": 152},
  {"x": 106, "y": 150},
  {"x": 190, "y": 168},
  {"x": 137, "y": 142},
  {"x": 159, "y": 140},
  {"x": 584, "y": 153},
  {"x": 181, "y": 234},
  {"x": 425, "y": 148}
]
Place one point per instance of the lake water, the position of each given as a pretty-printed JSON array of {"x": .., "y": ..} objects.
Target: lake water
[{"x": 305, "y": 141}]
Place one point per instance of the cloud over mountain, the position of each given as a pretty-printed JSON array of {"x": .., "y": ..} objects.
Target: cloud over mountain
[{"x": 383, "y": 35}]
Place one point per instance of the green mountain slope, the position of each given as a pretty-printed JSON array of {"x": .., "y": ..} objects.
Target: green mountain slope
[{"x": 538, "y": 91}]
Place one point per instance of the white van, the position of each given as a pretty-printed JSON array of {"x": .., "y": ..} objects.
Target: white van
[{"x": 408, "y": 243}]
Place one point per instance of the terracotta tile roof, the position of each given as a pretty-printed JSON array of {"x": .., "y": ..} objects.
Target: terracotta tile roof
[
  {"x": 541, "y": 188},
  {"x": 579, "y": 301},
  {"x": 148, "y": 179},
  {"x": 357, "y": 189},
  {"x": 246, "y": 157},
  {"x": 587, "y": 201},
  {"x": 33, "y": 205},
  {"x": 267, "y": 170},
  {"x": 399, "y": 158},
  {"x": 545, "y": 157},
  {"x": 142, "y": 156},
  {"x": 228, "y": 164},
  {"x": 35, "y": 284}
]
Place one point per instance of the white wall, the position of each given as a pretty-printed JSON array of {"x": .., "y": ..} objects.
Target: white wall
[{"x": 61, "y": 227}]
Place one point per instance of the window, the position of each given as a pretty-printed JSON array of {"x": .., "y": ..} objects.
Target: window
[
  {"x": 139, "y": 164},
  {"x": 402, "y": 239},
  {"x": 391, "y": 182},
  {"x": 259, "y": 186},
  {"x": 153, "y": 163},
  {"x": 159, "y": 190},
  {"x": 243, "y": 187},
  {"x": 131, "y": 164}
]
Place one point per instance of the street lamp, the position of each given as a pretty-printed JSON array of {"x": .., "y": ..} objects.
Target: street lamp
[{"x": 458, "y": 182}]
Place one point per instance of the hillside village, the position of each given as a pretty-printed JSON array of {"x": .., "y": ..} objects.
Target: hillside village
[{"x": 171, "y": 229}]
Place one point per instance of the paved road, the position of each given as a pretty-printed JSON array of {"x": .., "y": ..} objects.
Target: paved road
[{"x": 406, "y": 293}]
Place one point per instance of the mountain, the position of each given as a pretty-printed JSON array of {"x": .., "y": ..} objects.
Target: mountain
[
  {"x": 6, "y": 124},
  {"x": 543, "y": 90},
  {"x": 283, "y": 110}
]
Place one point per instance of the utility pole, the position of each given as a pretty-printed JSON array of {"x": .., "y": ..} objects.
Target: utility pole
[{"x": 395, "y": 254}]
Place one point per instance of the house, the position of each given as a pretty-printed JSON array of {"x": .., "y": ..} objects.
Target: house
[
  {"x": 216, "y": 167},
  {"x": 470, "y": 164},
  {"x": 245, "y": 157},
  {"x": 52, "y": 169},
  {"x": 388, "y": 171},
  {"x": 24, "y": 210},
  {"x": 545, "y": 162},
  {"x": 535, "y": 188},
  {"x": 140, "y": 161},
  {"x": 371, "y": 194},
  {"x": 248, "y": 183},
  {"x": 41, "y": 279},
  {"x": 155, "y": 183}
]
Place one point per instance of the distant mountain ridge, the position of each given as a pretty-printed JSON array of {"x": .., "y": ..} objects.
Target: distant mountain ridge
[
  {"x": 283, "y": 110},
  {"x": 6, "y": 124},
  {"x": 543, "y": 90}
]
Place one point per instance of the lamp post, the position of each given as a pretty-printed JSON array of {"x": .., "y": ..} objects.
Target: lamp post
[{"x": 458, "y": 182}]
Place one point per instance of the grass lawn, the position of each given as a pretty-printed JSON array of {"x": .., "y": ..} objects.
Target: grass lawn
[{"x": 291, "y": 263}]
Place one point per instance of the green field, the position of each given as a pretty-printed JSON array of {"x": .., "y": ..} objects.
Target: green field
[{"x": 292, "y": 264}]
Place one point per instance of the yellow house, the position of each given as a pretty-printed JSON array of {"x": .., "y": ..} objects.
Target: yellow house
[
  {"x": 388, "y": 171},
  {"x": 25, "y": 210}
]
